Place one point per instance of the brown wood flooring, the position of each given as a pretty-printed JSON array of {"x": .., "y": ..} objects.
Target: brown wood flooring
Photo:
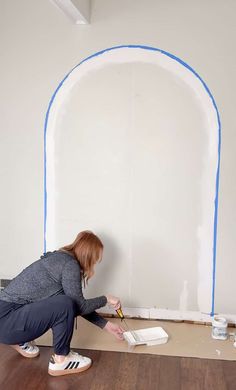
[{"x": 117, "y": 371}]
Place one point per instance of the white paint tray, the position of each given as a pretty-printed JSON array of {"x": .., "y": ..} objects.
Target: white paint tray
[{"x": 148, "y": 336}]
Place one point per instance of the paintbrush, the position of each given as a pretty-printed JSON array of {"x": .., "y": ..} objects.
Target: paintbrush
[{"x": 122, "y": 317}]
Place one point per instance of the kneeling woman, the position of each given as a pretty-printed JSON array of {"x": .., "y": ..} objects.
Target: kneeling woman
[{"x": 48, "y": 295}]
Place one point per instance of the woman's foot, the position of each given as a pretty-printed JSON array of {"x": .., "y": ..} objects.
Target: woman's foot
[
  {"x": 72, "y": 364},
  {"x": 29, "y": 349}
]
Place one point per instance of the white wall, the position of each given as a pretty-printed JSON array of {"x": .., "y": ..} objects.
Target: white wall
[
  {"x": 39, "y": 46},
  {"x": 137, "y": 134}
]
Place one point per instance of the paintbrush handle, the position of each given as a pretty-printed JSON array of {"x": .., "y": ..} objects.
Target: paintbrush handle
[{"x": 120, "y": 313}]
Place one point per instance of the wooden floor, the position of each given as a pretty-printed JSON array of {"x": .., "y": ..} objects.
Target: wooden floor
[{"x": 117, "y": 371}]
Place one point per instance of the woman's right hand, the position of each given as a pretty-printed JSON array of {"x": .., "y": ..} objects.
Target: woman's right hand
[
  {"x": 113, "y": 301},
  {"x": 115, "y": 329}
]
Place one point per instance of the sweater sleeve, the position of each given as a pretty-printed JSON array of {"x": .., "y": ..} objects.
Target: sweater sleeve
[
  {"x": 72, "y": 286},
  {"x": 96, "y": 319}
]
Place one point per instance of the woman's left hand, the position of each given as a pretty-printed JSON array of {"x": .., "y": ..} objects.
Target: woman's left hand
[{"x": 115, "y": 329}]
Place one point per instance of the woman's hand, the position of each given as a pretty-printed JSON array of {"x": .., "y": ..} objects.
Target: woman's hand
[
  {"x": 113, "y": 301},
  {"x": 115, "y": 329}
]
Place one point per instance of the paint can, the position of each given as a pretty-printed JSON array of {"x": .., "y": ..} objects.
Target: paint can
[{"x": 219, "y": 328}]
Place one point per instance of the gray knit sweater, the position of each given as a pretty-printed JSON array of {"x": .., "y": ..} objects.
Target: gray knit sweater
[{"x": 54, "y": 273}]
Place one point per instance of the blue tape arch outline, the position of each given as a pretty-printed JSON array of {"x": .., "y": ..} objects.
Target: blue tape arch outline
[{"x": 150, "y": 48}]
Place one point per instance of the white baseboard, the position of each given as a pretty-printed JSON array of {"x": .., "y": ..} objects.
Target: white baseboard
[{"x": 165, "y": 314}]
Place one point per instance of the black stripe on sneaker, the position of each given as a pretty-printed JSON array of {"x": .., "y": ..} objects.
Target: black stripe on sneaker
[
  {"x": 76, "y": 366},
  {"x": 68, "y": 365},
  {"x": 52, "y": 360},
  {"x": 72, "y": 366}
]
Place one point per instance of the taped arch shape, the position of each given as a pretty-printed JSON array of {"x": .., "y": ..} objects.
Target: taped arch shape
[{"x": 124, "y": 54}]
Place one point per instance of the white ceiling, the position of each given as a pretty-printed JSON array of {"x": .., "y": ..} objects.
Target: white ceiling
[{"x": 77, "y": 10}]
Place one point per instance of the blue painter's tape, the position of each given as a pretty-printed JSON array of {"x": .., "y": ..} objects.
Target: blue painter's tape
[{"x": 143, "y": 47}]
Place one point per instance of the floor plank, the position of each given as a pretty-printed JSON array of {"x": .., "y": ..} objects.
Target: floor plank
[
  {"x": 148, "y": 372},
  {"x": 214, "y": 376},
  {"x": 170, "y": 375},
  {"x": 192, "y": 374},
  {"x": 117, "y": 371},
  {"x": 106, "y": 369},
  {"x": 127, "y": 372},
  {"x": 229, "y": 370}
]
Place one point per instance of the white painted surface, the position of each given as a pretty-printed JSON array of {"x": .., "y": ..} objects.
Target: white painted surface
[
  {"x": 183, "y": 299},
  {"x": 132, "y": 128},
  {"x": 45, "y": 47},
  {"x": 84, "y": 7},
  {"x": 166, "y": 314},
  {"x": 77, "y": 10}
]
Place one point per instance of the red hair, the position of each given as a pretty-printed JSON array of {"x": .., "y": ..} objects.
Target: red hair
[{"x": 87, "y": 249}]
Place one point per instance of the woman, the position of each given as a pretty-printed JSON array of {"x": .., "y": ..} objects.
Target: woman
[{"x": 48, "y": 294}]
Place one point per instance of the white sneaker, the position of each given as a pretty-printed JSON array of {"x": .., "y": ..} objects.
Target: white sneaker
[
  {"x": 29, "y": 349},
  {"x": 72, "y": 364}
]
